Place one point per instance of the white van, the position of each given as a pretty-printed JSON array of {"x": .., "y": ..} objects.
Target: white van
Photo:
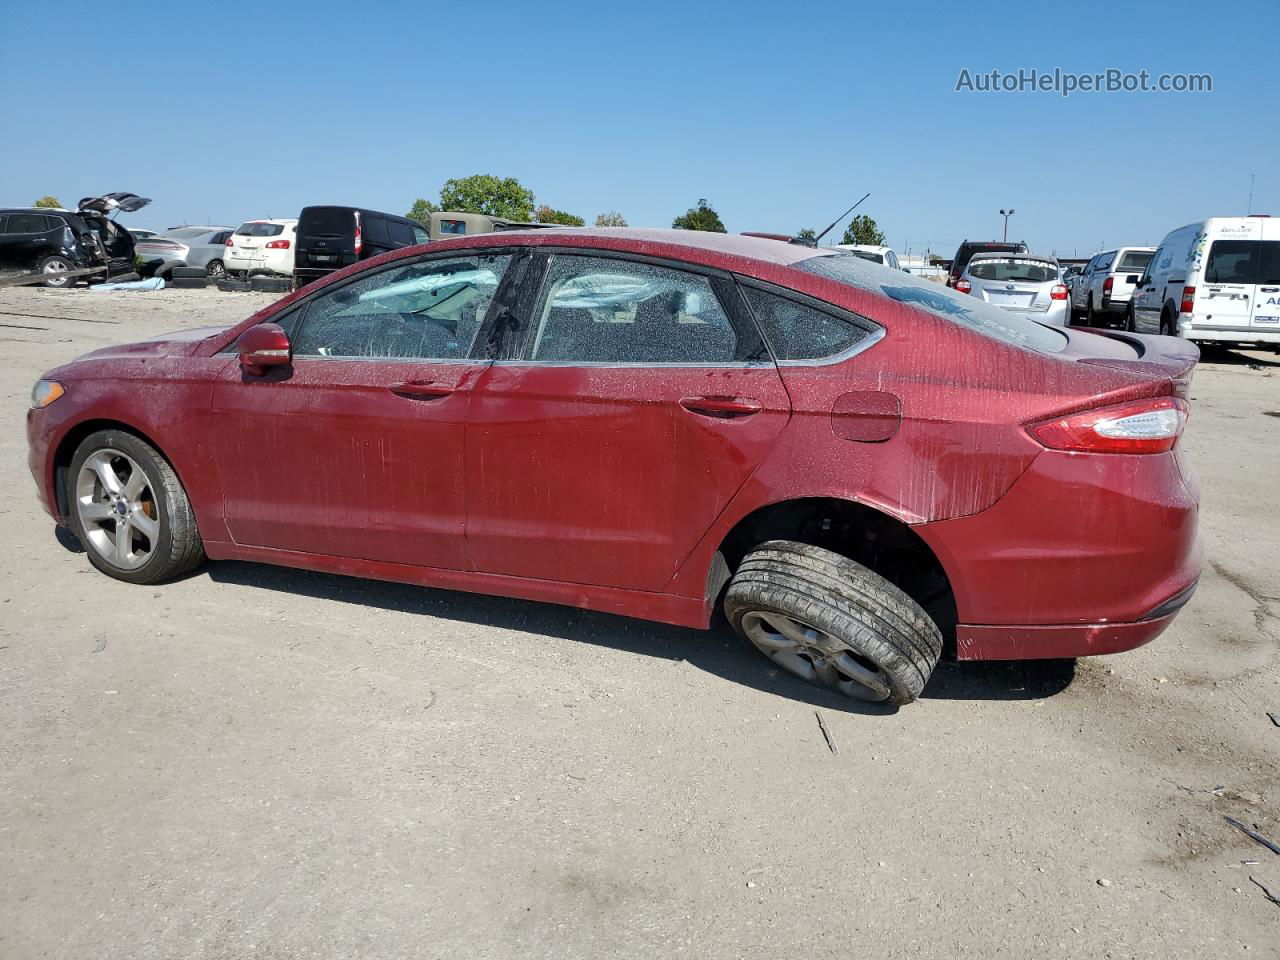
[{"x": 1217, "y": 280}]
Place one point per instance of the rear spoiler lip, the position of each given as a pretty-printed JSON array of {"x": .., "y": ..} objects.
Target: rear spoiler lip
[{"x": 1159, "y": 357}]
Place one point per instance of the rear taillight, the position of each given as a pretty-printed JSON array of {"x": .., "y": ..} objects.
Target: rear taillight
[
  {"x": 1139, "y": 426},
  {"x": 1058, "y": 292},
  {"x": 359, "y": 241},
  {"x": 1107, "y": 284},
  {"x": 1188, "y": 299},
  {"x": 278, "y": 245},
  {"x": 963, "y": 286},
  {"x": 228, "y": 241}
]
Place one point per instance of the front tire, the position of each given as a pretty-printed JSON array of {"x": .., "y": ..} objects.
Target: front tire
[
  {"x": 129, "y": 510},
  {"x": 833, "y": 622}
]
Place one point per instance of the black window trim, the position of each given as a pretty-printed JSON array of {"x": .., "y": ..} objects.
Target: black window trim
[
  {"x": 875, "y": 332},
  {"x": 720, "y": 281}
]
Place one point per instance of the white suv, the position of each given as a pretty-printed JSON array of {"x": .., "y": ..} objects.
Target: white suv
[
  {"x": 1102, "y": 290},
  {"x": 262, "y": 247}
]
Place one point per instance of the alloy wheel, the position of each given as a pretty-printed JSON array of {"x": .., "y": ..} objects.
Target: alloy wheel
[
  {"x": 117, "y": 509},
  {"x": 815, "y": 655}
]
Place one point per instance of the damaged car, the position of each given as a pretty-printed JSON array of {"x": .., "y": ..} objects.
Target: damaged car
[
  {"x": 62, "y": 246},
  {"x": 863, "y": 470}
]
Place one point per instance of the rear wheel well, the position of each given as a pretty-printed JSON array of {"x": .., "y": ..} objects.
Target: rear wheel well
[
  {"x": 865, "y": 535},
  {"x": 67, "y": 450}
]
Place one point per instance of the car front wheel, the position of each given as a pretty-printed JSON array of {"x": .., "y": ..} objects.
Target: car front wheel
[
  {"x": 833, "y": 622},
  {"x": 130, "y": 511}
]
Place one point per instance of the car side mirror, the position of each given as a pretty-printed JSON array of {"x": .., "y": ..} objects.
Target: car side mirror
[
  {"x": 1134, "y": 278},
  {"x": 263, "y": 347}
]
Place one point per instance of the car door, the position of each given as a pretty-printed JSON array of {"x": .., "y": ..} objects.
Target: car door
[
  {"x": 355, "y": 449},
  {"x": 1228, "y": 284},
  {"x": 640, "y": 401},
  {"x": 1079, "y": 289}
]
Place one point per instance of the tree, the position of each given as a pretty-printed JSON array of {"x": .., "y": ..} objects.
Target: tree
[
  {"x": 48, "y": 203},
  {"x": 421, "y": 211},
  {"x": 701, "y": 217},
  {"x": 485, "y": 193},
  {"x": 862, "y": 229},
  {"x": 546, "y": 214},
  {"x": 610, "y": 218},
  {"x": 807, "y": 233}
]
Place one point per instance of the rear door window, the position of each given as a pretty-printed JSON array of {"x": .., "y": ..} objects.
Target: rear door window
[
  {"x": 400, "y": 233},
  {"x": 374, "y": 230},
  {"x": 1232, "y": 261},
  {"x": 259, "y": 229},
  {"x": 798, "y": 331},
  {"x": 1269, "y": 262},
  {"x": 328, "y": 222},
  {"x": 28, "y": 223}
]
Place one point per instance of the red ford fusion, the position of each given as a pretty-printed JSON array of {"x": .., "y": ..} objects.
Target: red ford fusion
[{"x": 864, "y": 470}]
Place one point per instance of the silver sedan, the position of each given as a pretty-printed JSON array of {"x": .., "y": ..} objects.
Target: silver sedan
[
  {"x": 1021, "y": 282},
  {"x": 186, "y": 247}
]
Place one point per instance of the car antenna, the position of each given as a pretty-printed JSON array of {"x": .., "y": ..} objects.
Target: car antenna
[{"x": 839, "y": 218}]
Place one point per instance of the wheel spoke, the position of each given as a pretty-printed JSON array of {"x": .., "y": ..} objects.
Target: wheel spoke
[
  {"x": 123, "y": 542},
  {"x": 873, "y": 681},
  {"x": 106, "y": 473},
  {"x": 95, "y": 511},
  {"x": 147, "y": 527},
  {"x": 136, "y": 483},
  {"x": 788, "y": 627}
]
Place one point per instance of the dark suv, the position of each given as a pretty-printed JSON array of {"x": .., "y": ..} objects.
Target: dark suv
[
  {"x": 330, "y": 238},
  {"x": 969, "y": 247},
  {"x": 54, "y": 243}
]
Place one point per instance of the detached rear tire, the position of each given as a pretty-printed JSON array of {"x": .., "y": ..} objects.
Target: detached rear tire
[
  {"x": 833, "y": 622},
  {"x": 129, "y": 510}
]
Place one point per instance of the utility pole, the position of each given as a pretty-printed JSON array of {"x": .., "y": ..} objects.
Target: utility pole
[{"x": 1250, "y": 210}]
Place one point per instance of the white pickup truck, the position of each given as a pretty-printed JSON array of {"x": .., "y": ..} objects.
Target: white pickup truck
[{"x": 1100, "y": 294}]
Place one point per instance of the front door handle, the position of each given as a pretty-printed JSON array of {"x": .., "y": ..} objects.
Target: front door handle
[
  {"x": 723, "y": 408},
  {"x": 420, "y": 391}
]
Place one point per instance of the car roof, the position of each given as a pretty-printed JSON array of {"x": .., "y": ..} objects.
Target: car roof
[{"x": 702, "y": 245}]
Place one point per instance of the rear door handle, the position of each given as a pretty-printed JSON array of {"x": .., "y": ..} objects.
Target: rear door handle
[
  {"x": 723, "y": 408},
  {"x": 420, "y": 391}
]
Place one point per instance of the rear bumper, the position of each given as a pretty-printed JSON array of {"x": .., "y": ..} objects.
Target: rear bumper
[
  {"x": 1086, "y": 553},
  {"x": 1194, "y": 331},
  {"x": 1064, "y": 641}
]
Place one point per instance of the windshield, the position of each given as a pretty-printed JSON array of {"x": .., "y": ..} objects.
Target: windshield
[
  {"x": 978, "y": 315},
  {"x": 257, "y": 228},
  {"x": 1015, "y": 269}
]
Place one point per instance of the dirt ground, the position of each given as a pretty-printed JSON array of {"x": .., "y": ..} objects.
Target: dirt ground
[{"x": 258, "y": 762}]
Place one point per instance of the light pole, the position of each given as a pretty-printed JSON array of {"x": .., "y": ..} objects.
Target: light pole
[{"x": 1006, "y": 214}]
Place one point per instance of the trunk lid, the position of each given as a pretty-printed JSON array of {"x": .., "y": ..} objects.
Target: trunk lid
[
  {"x": 111, "y": 202},
  {"x": 1142, "y": 356}
]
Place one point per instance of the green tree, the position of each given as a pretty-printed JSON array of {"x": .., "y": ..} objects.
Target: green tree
[
  {"x": 610, "y": 218},
  {"x": 546, "y": 214},
  {"x": 701, "y": 217},
  {"x": 421, "y": 211},
  {"x": 862, "y": 229},
  {"x": 485, "y": 193},
  {"x": 807, "y": 233},
  {"x": 48, "y": 203}
]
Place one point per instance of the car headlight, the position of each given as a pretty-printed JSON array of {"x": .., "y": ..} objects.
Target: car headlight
[{"x": 45, "y": 392}]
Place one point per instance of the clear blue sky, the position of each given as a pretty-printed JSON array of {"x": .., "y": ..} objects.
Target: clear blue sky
[{"x": 780, "y": 114}]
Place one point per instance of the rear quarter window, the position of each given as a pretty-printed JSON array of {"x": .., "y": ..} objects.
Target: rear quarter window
[
  {"x": 797, "y": 331},
  {"x": 1134, "y": 262},
  {"x": 942, "y": 302}
]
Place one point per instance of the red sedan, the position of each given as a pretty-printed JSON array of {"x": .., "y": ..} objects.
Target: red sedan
[{"x": 865, "y": 469}]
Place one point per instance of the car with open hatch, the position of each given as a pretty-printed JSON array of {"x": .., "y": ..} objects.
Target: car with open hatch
[
  {"x": 864, "y": 470},
  {"x": 61, "y": 247}
]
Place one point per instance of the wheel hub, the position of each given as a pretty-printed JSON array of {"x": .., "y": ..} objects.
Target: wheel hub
[{"x": 815, "y": 655}]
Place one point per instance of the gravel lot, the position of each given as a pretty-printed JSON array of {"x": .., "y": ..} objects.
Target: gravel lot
[{"x": 262, "y": 762}]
